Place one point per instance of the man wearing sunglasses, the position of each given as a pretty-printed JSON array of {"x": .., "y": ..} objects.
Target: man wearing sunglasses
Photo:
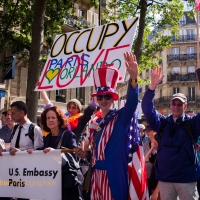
[{"x": 177, "y": 168}]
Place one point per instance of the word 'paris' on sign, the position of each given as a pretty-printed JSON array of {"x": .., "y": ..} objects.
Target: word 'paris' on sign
[{"x": 75, "y": 55}]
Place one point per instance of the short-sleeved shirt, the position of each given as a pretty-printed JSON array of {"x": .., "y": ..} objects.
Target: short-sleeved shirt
[
  {"x": 25, "y": 142},
  {"x": 5, "y": 133}
]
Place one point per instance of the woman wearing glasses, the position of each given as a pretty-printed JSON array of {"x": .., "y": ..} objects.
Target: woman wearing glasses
[{"x": 108, "y": 138}]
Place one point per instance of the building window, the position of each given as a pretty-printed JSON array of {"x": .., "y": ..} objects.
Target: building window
[
  {"x": 190, "y": 34},
  {"x": 176, "y": 70},
  {"x": 190, "y": 50},
  {"x": 80, "y": 13},
  {"x": 60, "y": 96},
  {"x": 191, "y": 69},
  {"x": 80, "y": 95},
  {"x": 176, "y": 90},
  {"x": 182, "y": 20},
  {"x": 175, "y": 51},
  {"x": 191, "y": 94}
]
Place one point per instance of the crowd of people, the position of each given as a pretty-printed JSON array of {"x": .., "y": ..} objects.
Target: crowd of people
[{"x": 169, "y": 142}]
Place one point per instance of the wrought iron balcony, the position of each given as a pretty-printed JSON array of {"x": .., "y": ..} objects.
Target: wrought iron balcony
[
  {"x": 181, "y": 77},
  {"x": 166, "y": 100},
  {"x": 181, "y": 57},
  {"x": 78, "y": 22},
  {"x": 162, "y": 100},
  {"x": 184, "y": 38}
]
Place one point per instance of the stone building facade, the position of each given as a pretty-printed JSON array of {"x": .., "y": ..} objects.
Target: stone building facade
[{"x": 178, "y": 64}]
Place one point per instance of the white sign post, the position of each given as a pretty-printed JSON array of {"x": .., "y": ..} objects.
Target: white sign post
[
  {"x": 32, "y": 176},
  {"x": 75, "y": 55}
]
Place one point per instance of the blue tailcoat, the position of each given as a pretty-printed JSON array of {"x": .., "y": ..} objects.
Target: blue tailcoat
[{"x": 116, "y": 149}]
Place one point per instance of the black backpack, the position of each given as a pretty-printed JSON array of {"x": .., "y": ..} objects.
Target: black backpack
[{"x": 30, "y": 131}]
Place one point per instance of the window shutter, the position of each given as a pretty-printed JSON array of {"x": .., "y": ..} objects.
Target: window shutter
[
  {"x": 89, "y": 16},
  {"x": 76, "y": 9},
  {"x": 96, "y": 20}
]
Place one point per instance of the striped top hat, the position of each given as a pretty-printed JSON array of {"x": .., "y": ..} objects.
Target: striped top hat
[{"x": 105, "y": 81}]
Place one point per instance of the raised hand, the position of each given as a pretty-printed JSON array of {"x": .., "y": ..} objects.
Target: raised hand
[
  {"x": 131, "y": 64},
  {"x": 156, "y": 77}
]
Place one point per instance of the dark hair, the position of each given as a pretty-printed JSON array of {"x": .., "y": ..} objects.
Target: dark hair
[
  {"x": 72, "y": 103},
  {"x": 20, "y": 105},
  {"x": 60, "y": 115},
  {"x": 4, "y": 113}
]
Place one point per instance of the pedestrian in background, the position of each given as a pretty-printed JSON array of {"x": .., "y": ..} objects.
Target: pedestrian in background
[{"x": 3, "y": 118}]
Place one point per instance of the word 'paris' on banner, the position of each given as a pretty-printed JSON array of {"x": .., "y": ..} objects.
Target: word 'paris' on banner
[{"x": 74, "y": 56}]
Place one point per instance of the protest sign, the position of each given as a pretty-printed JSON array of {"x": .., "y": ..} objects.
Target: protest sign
[
  {"x": 74, "y": 56},
  {"x": 31, "y": 176}
]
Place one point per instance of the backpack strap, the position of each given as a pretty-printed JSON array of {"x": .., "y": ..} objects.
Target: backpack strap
[
  {"x": 161, "y": 129},
  {"x": 13, "y": 132},
  {"x": 188, "y": 129},
  {"x": 31, "y": 131}
]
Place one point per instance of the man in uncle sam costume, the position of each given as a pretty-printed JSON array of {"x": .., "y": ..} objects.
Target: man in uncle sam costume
[{"x": 108, "y": 137}]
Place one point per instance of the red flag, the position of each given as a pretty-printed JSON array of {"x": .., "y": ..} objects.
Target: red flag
[
  {"x": 198, "y": 5},
  {"x": 138, "y": 189}
]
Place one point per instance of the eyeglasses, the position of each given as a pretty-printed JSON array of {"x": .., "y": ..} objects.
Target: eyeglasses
[
  {"x": 177, "y": 104},
  {"x": 106, "y": 97}
]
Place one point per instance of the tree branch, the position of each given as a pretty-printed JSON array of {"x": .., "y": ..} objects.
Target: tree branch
[
  {"x": 13, "y": 14},
  {"x": 138, "y": 44}
]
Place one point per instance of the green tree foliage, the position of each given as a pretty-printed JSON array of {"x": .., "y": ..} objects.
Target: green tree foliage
[
  {"x": 16, "y": 20},
  {"x": 25, "y": 24},
  {"x": 157, "y": 14}
]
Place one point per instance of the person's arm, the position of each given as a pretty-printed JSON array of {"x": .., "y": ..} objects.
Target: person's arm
[
  {"x": 156, "y": 77},
  {"x": 45, "y": 98},
  {"x": 154, "y": 196},
  {"x": 126, "y": 113},
  {"x": 148, "y": 155},
  {"x": 132, "y": 68},
  {"x": 88, "y": 112},
  {"x": 152, "y": 116}
]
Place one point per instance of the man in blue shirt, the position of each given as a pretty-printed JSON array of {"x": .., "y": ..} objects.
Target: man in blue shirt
[
  {"x": 177, "y": 168},
  {"x": 6, "y": 130}
]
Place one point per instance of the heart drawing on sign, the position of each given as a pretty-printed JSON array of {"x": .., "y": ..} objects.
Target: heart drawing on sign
[{"x": 51, "y": 74}]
